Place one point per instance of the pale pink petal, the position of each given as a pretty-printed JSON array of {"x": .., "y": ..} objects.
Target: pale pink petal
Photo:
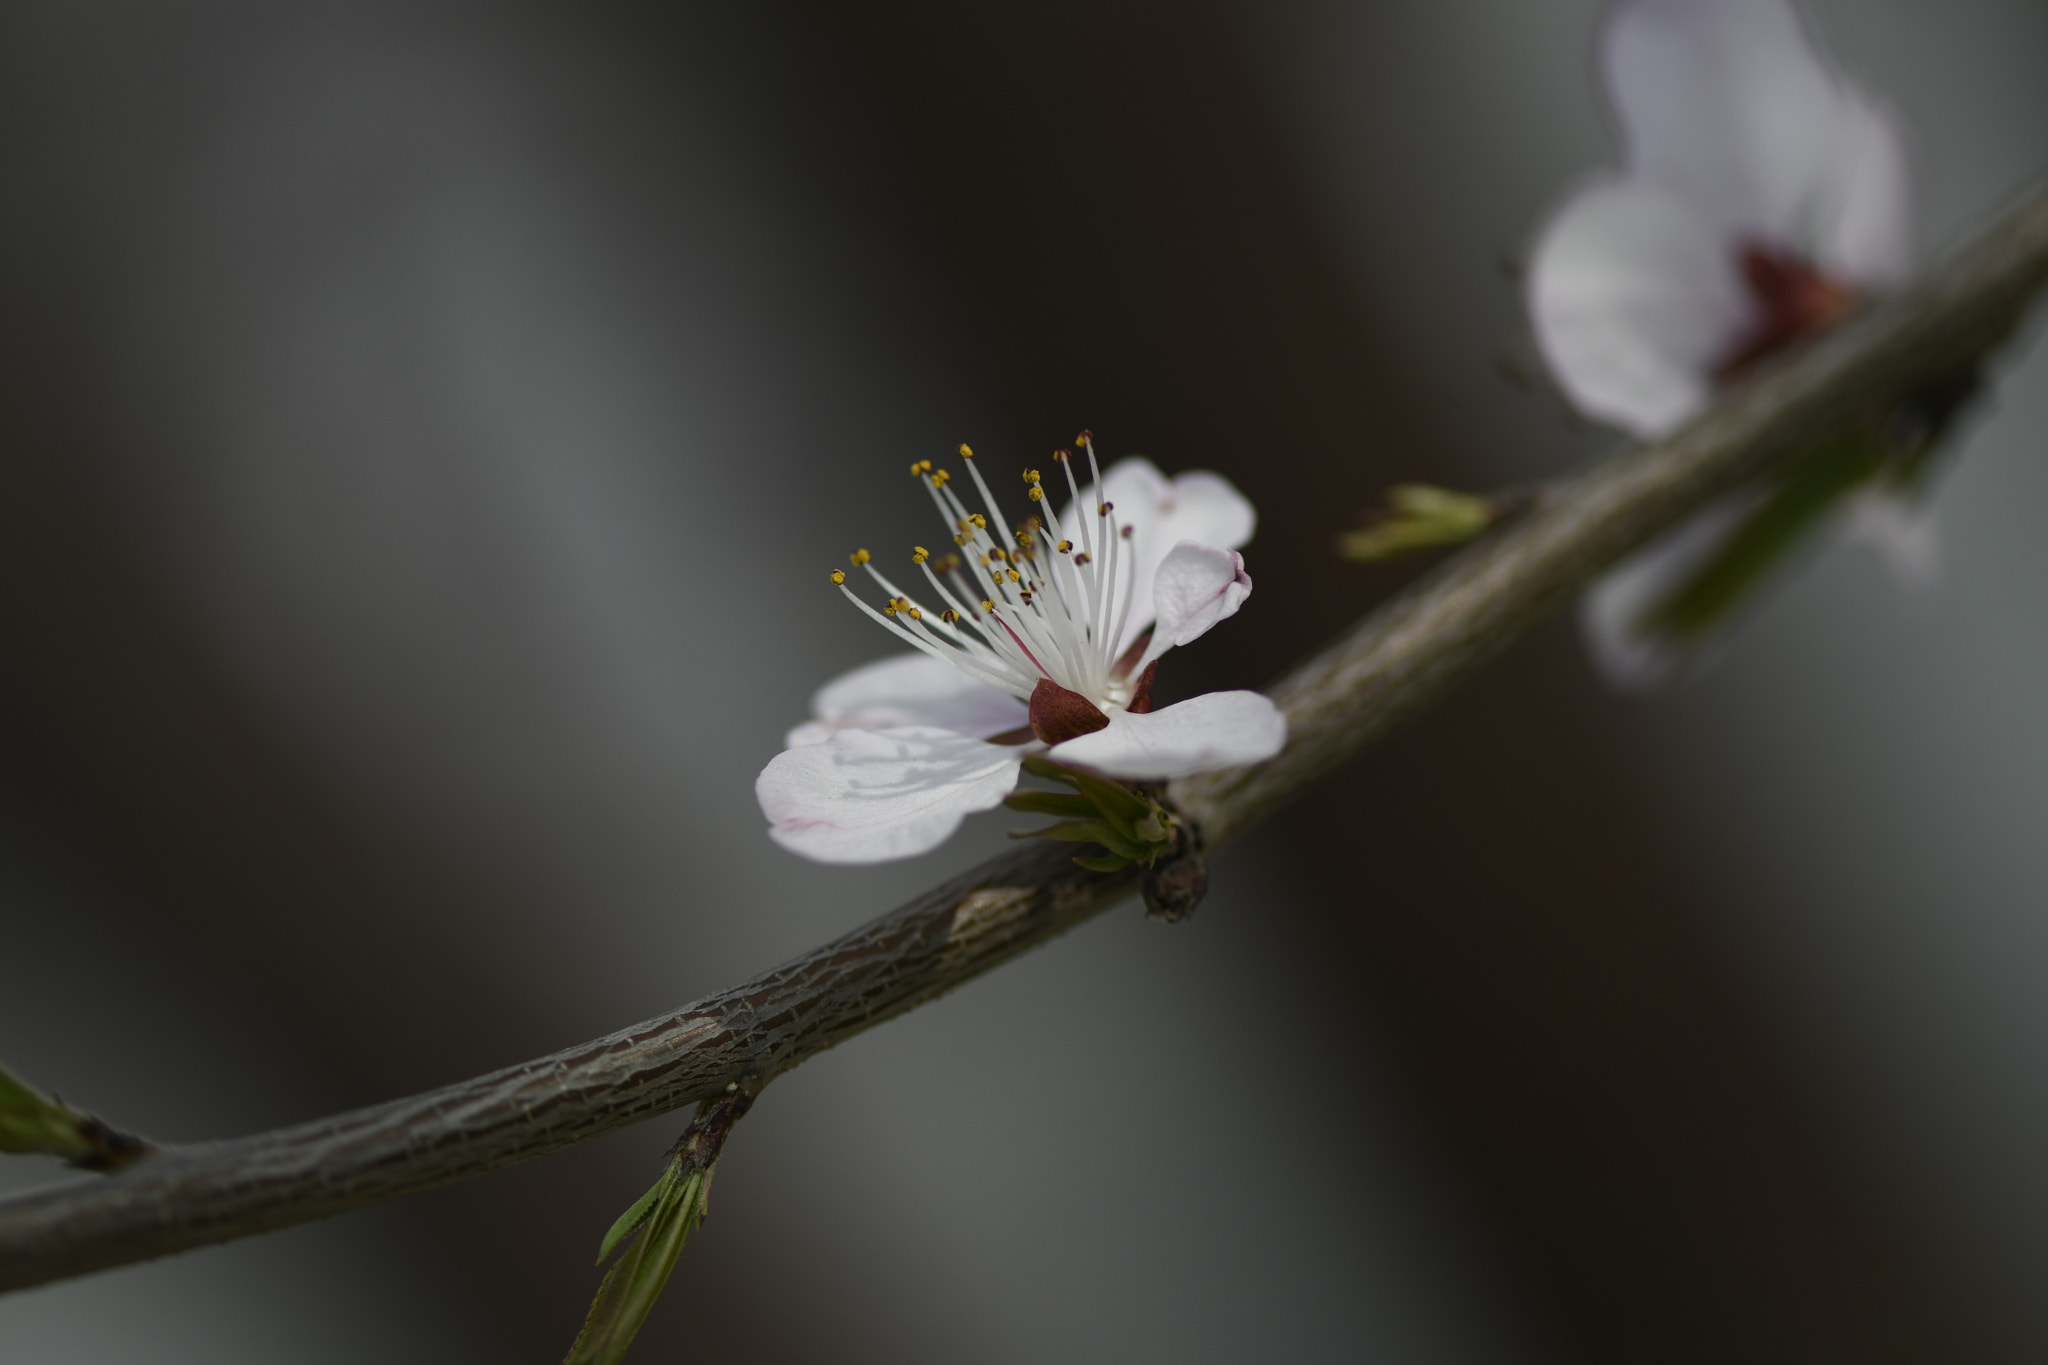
[
  {"x": 1196, "y": 586},
  {"x": 1729, "y": 103},
  {"x": 1900, "y": 530},
  {"x": 1635, "y": 299},
  {"x": 871, "y": 796},
  {"x": 1197, "y": 505},
  {"x": 1610, "y": 612},
  {"x": 909, "y": 689},
  {"x": 1214, "y": 730},
  {"x": 1161, "y": 513},
  {"x": 1864, "y": 220},
  {"x": 1137, "y": 487}
]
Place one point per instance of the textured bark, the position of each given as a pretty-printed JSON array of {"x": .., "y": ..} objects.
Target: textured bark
[{"x": 1393, "y": 663}]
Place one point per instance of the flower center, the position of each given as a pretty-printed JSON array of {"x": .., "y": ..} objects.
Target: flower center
[
  {"x": 1044, "y": 602},
  {"x": 1792, "y": 301}
]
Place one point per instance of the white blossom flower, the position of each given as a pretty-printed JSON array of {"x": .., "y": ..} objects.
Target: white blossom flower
[
  {"x": 1761, "y": 197},
  {"x": 1039, "y": 637}
]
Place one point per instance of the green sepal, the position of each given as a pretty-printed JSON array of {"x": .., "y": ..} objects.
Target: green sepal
[
  {"x": 1814, "y": 488},
  {"x": 1106, "y": 863},
  {"x": 636, "y": 1215},
  {"x": 1038, "y": 765},
  {"x": 634, "y": 1284},
  {"x": 1094, "y": 832},
  {"x": 1119, "y": 804},
  {"x": 1052, "y": 803}
]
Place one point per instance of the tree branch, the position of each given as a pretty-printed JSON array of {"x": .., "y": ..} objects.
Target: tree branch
[{"x": 1397, "y": 660}]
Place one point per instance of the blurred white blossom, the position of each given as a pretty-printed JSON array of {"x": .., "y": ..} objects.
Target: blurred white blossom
[{"x": 1761, "y": 196}]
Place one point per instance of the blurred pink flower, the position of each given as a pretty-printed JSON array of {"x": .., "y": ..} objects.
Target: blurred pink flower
[{"x": 1042, "y": 639}]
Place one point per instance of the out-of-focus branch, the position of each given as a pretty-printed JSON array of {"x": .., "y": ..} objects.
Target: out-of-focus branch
[{"x": 1391, "y": 664}]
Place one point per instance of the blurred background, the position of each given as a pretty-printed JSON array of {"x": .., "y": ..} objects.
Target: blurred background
[{"x": 426, "y": 431}]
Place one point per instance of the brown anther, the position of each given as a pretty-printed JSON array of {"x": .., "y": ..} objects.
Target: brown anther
[
  {"x": 1083, "y": 558},
  {"x": 1085, "y": 438},
  {"x": 1060, "y": 456}
]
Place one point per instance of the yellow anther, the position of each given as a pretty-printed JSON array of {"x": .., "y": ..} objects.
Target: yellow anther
[
  {"x": 918, "y": 554},
  {"x": 961, "y": 539},
  {"x": 889, "y": 608},
  {"x": 859, "y": 557},
  {"x": 996, "y": 553},
  {"x": 1066, "y": 547},
  {"x": 1059, "y": 456},
  {"x": 1031, "y": 476},
  {"x": 949, "y": 563},
  {"x": 980, "y": 522},
  {"x": 1036, "y": 493},
  {"x": 965, "y": 452},
  {"x": 1013, "y": 574},
  {"x": 1023, "y": 540},
  {"x": 1086, "y": 438},
  {"x": 987, "y": 605},
  {"x": 916, "y": 615},
  {"x": 941, "y": 479},
  {"x": 920, "y": 468},
  {"x": 949, "y": 616},
  {"x": 838, "y": 576}
]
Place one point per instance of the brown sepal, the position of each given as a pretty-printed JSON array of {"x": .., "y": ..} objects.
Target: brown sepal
[
  {"x": 1058, "y": 715},
  {"x": 1021, "y": 735},
  {"x": 1141, "y": 696},
  {"x": 1129, "y": 659}
]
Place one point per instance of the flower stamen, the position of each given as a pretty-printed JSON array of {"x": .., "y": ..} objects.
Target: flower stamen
[{"x": 1062, "y": 624}]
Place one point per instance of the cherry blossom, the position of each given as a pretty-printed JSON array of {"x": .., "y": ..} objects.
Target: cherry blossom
[
  {"x": 1042, "y": 636},
  {"x": 1761, "y": 196}
]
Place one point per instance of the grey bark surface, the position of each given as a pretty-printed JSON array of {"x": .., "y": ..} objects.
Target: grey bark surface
[{"x": 1387, "y": 667}]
